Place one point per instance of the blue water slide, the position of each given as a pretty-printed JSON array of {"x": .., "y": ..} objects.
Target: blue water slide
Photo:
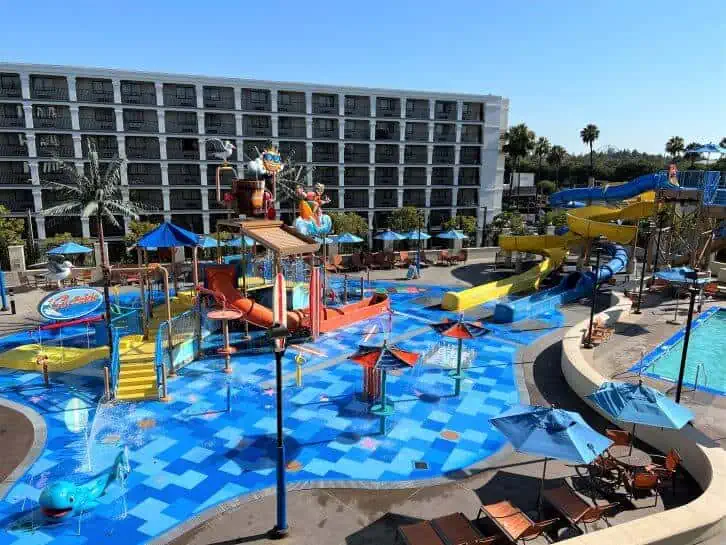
[
  {"x": 573, "y": 287},
  {"x": 647, "y": 182}
]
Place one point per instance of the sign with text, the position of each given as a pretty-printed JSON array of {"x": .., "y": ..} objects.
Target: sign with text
[{"x": 70, "y": 304}]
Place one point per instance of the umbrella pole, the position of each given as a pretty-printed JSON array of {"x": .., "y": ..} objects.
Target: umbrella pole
[
  {"x": 458, "y": 377},
  {"x": 541, "y": 488},
  {"x": 383, "y": 401},
  {"x": 632, "y": 439},
  {"x": 142, "y": 286}
]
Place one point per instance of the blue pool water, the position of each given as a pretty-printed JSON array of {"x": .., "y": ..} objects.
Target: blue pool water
[{"x": 706, "y": 348}]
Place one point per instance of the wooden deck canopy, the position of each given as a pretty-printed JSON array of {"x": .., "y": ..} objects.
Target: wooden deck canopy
[{"x": 274, "y": 235}]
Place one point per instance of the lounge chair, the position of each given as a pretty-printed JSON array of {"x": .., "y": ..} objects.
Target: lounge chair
[
  {"x": 421, "y": 533},
  {"x": 374, "y": 261},
  {"x": 356, "y": 261},
  {"x": 573, "y": 508},
  {"x": 668, "y": 468},
  {"x": 444, "y": 257},
  {"x": 403, "y": 259},
  {"x": 389, "y": 260},
  {"x": 451, "y": 529},
  {"x": 335, "y": 264},
  {"x": 639, "y": 480},
  {"x": 514, "y": 524},
  {"x": 461, "y": 257}
]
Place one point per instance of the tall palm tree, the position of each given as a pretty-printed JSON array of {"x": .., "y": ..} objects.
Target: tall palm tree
[
  {"x": 94, "y": 194},
  {"x": 518, "y": 142},
  {"x": 690, "y": 155},
  {"x": 674, "y": 146},
  {"x": 589, "y": 134},
  {"x": 555, "y": 158},
  {"x": 541, "y": 148}
]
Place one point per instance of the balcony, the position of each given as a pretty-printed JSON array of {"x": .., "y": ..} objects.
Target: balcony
[
  {"x": 51, "y": 117},
  {"x": 414, "y": 176},
  {"x": 467, "y": 197},
  {"x": 444, "y": 132},
  {"x": 10, "y": 86},
  {"x": 445, "y": 110},
  {"x": 184, "y": 175},
  {"x": 471, "y": 133},
  {"x": 13, "y": 144},
  {"x": 296, "y": 151},
  {"x": 416, "y": 155},
  {"x": 468, "y": 176},
  {"x": 106, "y": 146},
  {"x": 257, "y": 125},
  {"x": 386, "y": 176},
  {"x": 212, "y": 200},
  {"x": 325, "y": 128},
  {"x": 54, "y": 145},
  {"x": 185, "y": 199},
  {"x": 212, "y": 149},
  {"x": 182, "y": 148},
  {"x": 357, "y": 130},
  {"x": 438, "y": 217},
  {"x": 356, "y": 198},
  {"x": 291, "y": 127},
  {"x": 327, "y": 176},
  {"x": 387, "y": 153},
  {"x": 138, "y": 92},
  {"x": 472, "y": 111},
  {"x": 417, "y": 108},
  {"x": 140, "y": 120},
  {"x": 142, "y": 147},
  {"x": 52, "y": 171},
  {"x": 12, "y": 115},
  {"x": 48, "y": 87},
  {"x": 356, "y": 176},
  {"x": 219, "y": 97},
  {"x": 184, "y": 96},
  {"x": 256, "y": 100},
  {"x": 144, "y": 174},
  {"x": 325, "y": 153},
  {"x": 221, "y": 124},
  {"x": 14, "y": 173},
  {"x": 252, "y": 147},
  {"x": 181, "y": 122},
  {"x": 333, "y": 196},
  {"x": 441, "y": 197},
  {"x": 94, "y": 90},
  {"x": 325, "y": 103},
  {"x": 417, "y": 132},
  {"x": 442, "y": 176},
  {"x": 96, "y": 119},
  {"x": 470, "y": 155},
  {"x": 443, "y": 155},
  {"x": 151, "y": 199},
  {"x": 291, "y": 102},
  {"x": 386, "y": 198},
  {"x": 358, "y": 106},
  {"x": 388, "y": 107},
  {"x": 357, "y": 153},
  {"x": 414, "y": 197},
  {"x": 57, "y": 225},
  {"x": 387, "y": 130}
]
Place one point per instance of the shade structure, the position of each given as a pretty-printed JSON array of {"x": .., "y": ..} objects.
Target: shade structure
[
  {"x": 237, "y": 242},
  {"x": 416, "y": 235},
  {"x": 207, "y": 242},
  {"x": 329, "y": 239},
  {"x": 389, "y": 235},
  {"x": 68, "y": 248},
  {"x": 640, "y": 404},
  {"x": 459, "y": 330},
  {"x": 707, "y": 148},
  {"x": 348, "y": 238},
  {"x": 168, "y": 235},
  {"x": 552, "y": 433},
  {"x": 452, "y": 234}
]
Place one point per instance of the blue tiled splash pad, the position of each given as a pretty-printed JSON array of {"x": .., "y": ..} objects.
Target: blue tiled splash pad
[
  {"x": 705, "y": 357},
  {"x": 190, "y": 454}
]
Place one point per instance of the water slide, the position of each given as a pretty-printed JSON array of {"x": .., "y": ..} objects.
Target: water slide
[{"x": 613, "y": 193}]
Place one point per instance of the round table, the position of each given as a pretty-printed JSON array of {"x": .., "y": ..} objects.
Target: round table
[
  {"x": 636, "y": 458},
  {"x": 225, "y": 315}
]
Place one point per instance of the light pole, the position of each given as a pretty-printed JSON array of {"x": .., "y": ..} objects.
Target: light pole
[
  {"x": 657, "y": 244},
  {"x": 684, "y": 354},
  {"x": 648, "y": 230},
  {"x": 598, "y": 248},
  {"x": 280, "y": 530}
]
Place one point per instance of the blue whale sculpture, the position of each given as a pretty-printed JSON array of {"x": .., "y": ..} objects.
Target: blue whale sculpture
[{"x": 63, "y": 498}]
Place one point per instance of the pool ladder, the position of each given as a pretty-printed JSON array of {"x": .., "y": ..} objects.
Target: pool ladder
[{"x": 700, "y": 367}]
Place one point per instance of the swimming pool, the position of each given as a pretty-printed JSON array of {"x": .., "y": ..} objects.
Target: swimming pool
[{"x": 706, "y": 354}]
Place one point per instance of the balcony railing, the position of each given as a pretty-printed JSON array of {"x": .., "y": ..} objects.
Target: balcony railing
[
  {"x": 185, "y": 204},
  {"x": 323, "y": 157},
  {"x": 446, "y": 111},
  {"x": 418, "y": 112},
  {"x": 386, "y": 203},
  {"x": 13, "y": 150},
  {"x": 147, "y": 125},
  {"x": 445, "y": 136},
  {"x": 16, "y": 203},
  {"x": 219, "y": 97},
  {"x": 171, "y": 99},
  {"x": 292, "y": 107},
  {"x": 418, "y": 135},
  {"x": 414, "y": 198},
  {"x": 56, "y": 151},
  {"x": 145, "y": 97},
  {"x": 14, "y": 178},
  {"x": 93, "y": 95},
  {"x": 177, "y": 153},
  {"x": 357, "y": 135},
  {"x": 49, "y": 93},
  {"x": 226, "y": 128},
  {"x": 143, "y": 152},
  {"x": 90, "y": 123},
  {"x": 291, "y": 132},
  {"x": 357, "y": 157},
  {"x": 144, "y": 179},
  {"x": 61, "y": 122},
  {"x": 325, "y": 133},
  {"x": 355, "y": 203},
  {"x": 358, "y": 111},
  {"x": 11, "y": 91},
  {"x": 12, "y": 121},
  {"x": 181, "y": 128}
]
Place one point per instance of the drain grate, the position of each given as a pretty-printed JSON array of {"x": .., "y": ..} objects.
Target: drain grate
[{"x": 420, "y": 465}]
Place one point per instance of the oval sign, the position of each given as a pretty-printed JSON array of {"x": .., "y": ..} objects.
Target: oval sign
[{"x": 70, "y": 304}]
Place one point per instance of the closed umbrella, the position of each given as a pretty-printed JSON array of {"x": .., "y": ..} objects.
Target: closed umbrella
[{"x": 551, "y": 433}]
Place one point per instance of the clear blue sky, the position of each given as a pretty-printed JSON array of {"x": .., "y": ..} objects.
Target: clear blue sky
[{"x": 642, "y": 71}]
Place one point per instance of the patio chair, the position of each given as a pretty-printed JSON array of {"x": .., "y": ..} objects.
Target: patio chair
[
  {"x": 605, "y": 471},
  {"x": 620, "y": 438},
  {"x": 389, "y": 260},
  {"x": 444, "y": 257},
  {"x": 640, "y": 481},
  {"x": 574, "y": 509},
  {"x": 456, "y": 528},
  {"x": 356, "y": 261},
  {"x": 374, "y": 261},
  {"x": 668, "y": 468},
  {"x": 513, "y": 522},
  {"x": 461, "y": 257},
  {"x": 403, "y": 259}
]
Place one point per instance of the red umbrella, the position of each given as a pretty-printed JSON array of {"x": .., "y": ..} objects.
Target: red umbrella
[{"x": 460, "y": 330}]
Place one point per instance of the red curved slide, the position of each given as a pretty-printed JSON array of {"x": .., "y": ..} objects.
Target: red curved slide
[{"x": 222, "y": 278}]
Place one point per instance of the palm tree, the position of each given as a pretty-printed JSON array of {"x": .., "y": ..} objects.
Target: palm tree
[
  {"x": 541, "y": 149},
  {"x": 518, "y": 142},
  {"x": 555, "y": 158},
  {"x": 690, "y": 155},
  {"x": 722, "y": 143},
  {"x": 94, "y": 194},
  {"x": 674, "y": 146},
  {"x": 589, "y": 134}
]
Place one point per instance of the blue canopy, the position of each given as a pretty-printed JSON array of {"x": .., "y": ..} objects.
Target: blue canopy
[
  {"x": 640, "y": 404},
  {"x": 552, "y": 433},
  {"x": 348, "y": 238},
  {"x": 237, "y": 242},
  {"x": 389, "y": 235},
  {"x": 329, "y": 239},
  {"x": 206, "y": 241},
  {"x": 70, "y": 248},
  {"x": 415, "y": 235},
  {"x": 677, "y": 275},
  {"x": 452, "y": 234},
  {"x": 168, "y": 235},
  {"x": 707, "y": 148}
]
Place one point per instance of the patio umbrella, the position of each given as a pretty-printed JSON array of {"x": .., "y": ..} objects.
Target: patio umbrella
[
  {"x": 70, "y": 248},
  {"x": 415, "y": 235},
  {"x": 460, "y": 330},
  {"x": 206, "y": 242},
  {"x": 237, "y": 242},
  {"x": 552, "y": 433},
  {"x": 168, "y": 235},
  {"x": 708, "y": 149},
  {"x": 382, "y": 359},
  {"x": 453, "y": 234},
  {"x": 348, "y": 238},
  {"x": 640, "y": 404},
  {"x": 389, "y": 235}
]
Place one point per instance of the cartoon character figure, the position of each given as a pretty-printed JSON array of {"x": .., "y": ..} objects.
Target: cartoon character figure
[
  {"x": 673, "y": 174},
  {"x": 311, "y": 203}
]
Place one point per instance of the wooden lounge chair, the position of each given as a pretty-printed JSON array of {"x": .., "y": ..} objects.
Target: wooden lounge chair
[
  {"x": 640, "y": 481},
  {"x": 451, "y": 529},
  {"x": 514, "y": 524},
  {"x": 403, "y": 259},
  {"x": 461, "y": 257},
  {"x": 444, "y": 257},
  {"x": 573, "y": 508},
  {"x": 374, "y": 261},
  {"x": 356, "y": 261},
  {"x": 668, "y": 468},
  {"x": 421, "y": 533},
  {"x": 389, "y": 260}
]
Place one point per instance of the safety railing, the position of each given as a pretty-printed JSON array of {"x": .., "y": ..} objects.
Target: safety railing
[
  {"x": 115, "y": 363},
  {"x": 185, "y": 338}
]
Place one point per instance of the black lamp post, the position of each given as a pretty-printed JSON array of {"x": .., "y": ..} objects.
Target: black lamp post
[
  {"x": 647, "y": 230},
  {"x": 693, "y": 290},
  {"x": 280, "y": 530},
  {"x": 598, "y": 249}
]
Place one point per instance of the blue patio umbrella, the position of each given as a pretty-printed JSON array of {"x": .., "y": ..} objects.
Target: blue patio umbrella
[
  {"x": 237, "y": 242},
  {"x": 389, "y": 235},
  {"x": 640, "y": 404},
  {"x": 552, "y": 433},
  {"x": 348, "y": 238},
  {"x": 415, "y": 235},
  {"x": 708, "y": 148},
  {"x": 452, "y": 234},
  {"x": 168, "y": 235},
  {"x": 68, "y": 248},
  {"x": 207, "y": 242},
  {"x": 328, "y": 239}
]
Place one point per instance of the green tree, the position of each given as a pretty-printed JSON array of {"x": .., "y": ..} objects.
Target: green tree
[
  {"x": 349, "y": 222},
  {"x": 589, "y": 134},
  {"x": 722, "y": 143},
  {"x": 466, "y": 224},
  {"x": 518, "y": 142},
  {"x": 11, "y": 229},
  {"x": 406, "y": 219},
  {"x": 691, "y": 156},
  {"x": 674, "y": 146},
  {"x": 508, "y": 220},
  {"x": 138, "y": 229},
  {"x": 546, "y": 187},
  {"x": 556, "y": 157},
  {"x": 541, "y": 148}
]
